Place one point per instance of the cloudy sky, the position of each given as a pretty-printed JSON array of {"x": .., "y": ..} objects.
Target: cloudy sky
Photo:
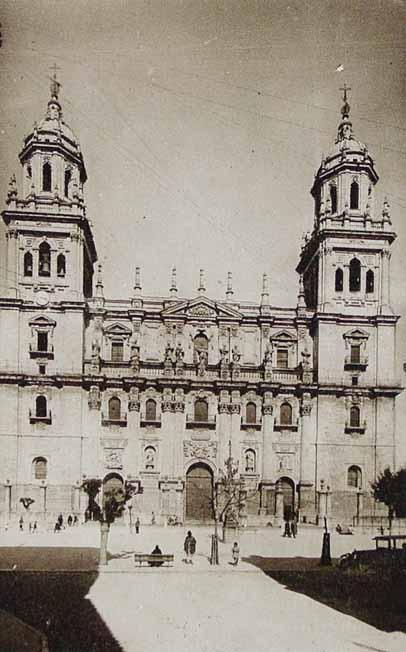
[{"x": 202, "y": 125}]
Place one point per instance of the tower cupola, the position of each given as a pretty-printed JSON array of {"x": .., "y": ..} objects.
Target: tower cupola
[{"x": 344, "y": 184}]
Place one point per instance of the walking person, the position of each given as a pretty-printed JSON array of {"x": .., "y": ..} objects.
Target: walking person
[
  {"x": 137, "y": 526},
  {"x": 287, "y": 532},
  {"x": 153, "y": 518},
  {"x": 294, "y": 527},
  {"x": 34, "y": 527},
  {"x": 189, "y": 547},
  {"x": 21, "y": 524},
  {"x": 70, "y": 520},
  {"x": 235, "y": 553}
]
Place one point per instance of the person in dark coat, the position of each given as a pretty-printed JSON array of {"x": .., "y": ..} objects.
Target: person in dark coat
[
  {"x": 189, "y": 547},
  {"x": 156, "y": 551},
  {"x": 137, "y": 525},
  {"x": 287, "y": 532}
]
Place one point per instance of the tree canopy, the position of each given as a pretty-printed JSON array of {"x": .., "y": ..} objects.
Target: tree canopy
[{"x": 390, "y": 489}]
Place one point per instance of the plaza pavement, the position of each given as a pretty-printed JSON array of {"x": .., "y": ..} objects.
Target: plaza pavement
[{"x": 201, "y": 608}]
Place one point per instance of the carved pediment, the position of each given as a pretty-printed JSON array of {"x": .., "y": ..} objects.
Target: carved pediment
[
  {"x": 356, "y": 334},
  {"x": 42, "y": 322},
  {"x": 201, "y": 308},
  {"x": 117, "y": 329},
  {"x": 286, "y": 336}
]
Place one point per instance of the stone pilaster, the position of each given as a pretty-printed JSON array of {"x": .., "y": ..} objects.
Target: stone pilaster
[
  {"x": 235, "y": 426},
  {"x": 268, "y": 434},
  {"x": 307, "y": 459}
]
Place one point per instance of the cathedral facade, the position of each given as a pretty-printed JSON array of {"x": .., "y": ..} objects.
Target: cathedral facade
[{"x": 160, "y": 391}]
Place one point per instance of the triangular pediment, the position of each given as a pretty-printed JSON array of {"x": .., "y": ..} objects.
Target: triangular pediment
[
  {"x": 357, "y": 333},
  {"x": 283, "y": 335},
  {"x": 201, "y": 308},
  {"x": 42, "y": 320},
  {"x": 117, "y": 329}
]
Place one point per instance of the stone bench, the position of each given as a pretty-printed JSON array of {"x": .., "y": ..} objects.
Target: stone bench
[{"x": 153, "y": 560}]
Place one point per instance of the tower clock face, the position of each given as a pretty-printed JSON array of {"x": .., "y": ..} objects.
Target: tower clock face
[{"x": 42, "y": 298}]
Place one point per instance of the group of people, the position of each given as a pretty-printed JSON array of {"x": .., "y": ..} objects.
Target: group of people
[
  {"x": 290, "y": 528},
  {"x": 189, "y": 546},
  {"x": 32, "y": 526},
  {"x": 71, "y": 520}
]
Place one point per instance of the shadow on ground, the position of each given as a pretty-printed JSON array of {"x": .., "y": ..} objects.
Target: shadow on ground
[
  {"x": 54, "y": 601},
  {"x": 376, "y": 598}
]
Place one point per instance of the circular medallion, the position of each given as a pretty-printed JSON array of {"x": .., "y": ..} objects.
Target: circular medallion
[{"x": 42, "y": 298}]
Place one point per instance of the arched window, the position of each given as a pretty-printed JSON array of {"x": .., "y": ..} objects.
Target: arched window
[
  {"x": 39, "y": 465},
  {"x": 250, "y": 461},
  {"x": 200, "y": 343},
  {"x": 46, "y": 177},
  {"x": 355, "y": 275},
  {"x": 286, "y": 414},
  {"x": 44, "y": 263},
  {"x": 201, "y": 410},
  {"x": 370, "y": 282},
  {"x": 27, "y": 264},
  {"x": 333, "y": 198},
  {"x": 61, "y": 265},
  {"x": 67, "y": 180},
  {"x": 251, "y": 413},
  {"x": 114, "y": 408},
  {"x": 354, "y": 477},
  {"x": 354, "y": 195},
  {"x": 354, "y": 417},
  {"x": 339, "y": 280},
  {"x": 150, "y": 410},
  {"x": 41, "y": 407}
]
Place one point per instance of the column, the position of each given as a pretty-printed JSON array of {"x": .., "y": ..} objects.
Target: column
[
  {"x": 223, "y": 428},
  {"x": 278, "y": 504},
  {"x": 307, "y": 505},
  {"x": 267, "y": 433},
  {"x": 179, "y": 427},
  {"x": 12, "y": 261},
  {"x": 385, "y": 280},
  {"x": 7, "y": 501},
  {"x": 235, "y": 425}
]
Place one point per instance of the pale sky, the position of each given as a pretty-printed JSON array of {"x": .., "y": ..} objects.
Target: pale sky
[{"x": 202, "y": 125}]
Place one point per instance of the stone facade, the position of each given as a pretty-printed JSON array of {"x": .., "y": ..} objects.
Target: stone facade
[{"x": 150, "y": 388}]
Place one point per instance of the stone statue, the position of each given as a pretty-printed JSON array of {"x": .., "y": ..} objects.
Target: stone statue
[
  {"x": 249, "y": 462},
  {"x": 236, "y": 355},
  {"x": 201, "y": 368},
  {"x": 179, "y": 354},
  {"x": 150, "y": 459},
  {"x": 135, "y": 359}
]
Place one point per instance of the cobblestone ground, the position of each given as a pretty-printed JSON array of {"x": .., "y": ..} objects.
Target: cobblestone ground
[{"x": 200, "y": 608}]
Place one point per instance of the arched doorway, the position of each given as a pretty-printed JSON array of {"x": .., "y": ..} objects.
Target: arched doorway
[
  {"x": 199, "y": 493},
  {"x": 113, "y": 485},
  {"x": 287, "y": 487}
]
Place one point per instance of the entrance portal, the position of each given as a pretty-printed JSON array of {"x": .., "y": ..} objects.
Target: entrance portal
[
  {"x": 199, "y": 493},
  {"x": 288, "y": 489}
]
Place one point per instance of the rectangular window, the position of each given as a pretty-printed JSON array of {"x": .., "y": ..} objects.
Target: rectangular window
[
  {"x": 355, "y": 354},
  {"x": 282, "y": 358},
  {"x": 42, "y": 341},
  {"x": 117, "y": 351}
]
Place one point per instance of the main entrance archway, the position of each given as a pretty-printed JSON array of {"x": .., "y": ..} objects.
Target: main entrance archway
[
  {"x": 288, "y": 489},
  {"x": 199, "y": 493}
]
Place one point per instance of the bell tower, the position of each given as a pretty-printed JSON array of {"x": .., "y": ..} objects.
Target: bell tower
[
  {"x": 50, "y": 249},
  {"x": 345, "y": 260}
]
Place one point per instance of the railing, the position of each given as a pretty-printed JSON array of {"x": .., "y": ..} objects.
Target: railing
[
  {"x": 251, "y": 425},
  {"x": 48, "y": 354},
  {"x": 208, "y": 424},
  {"x": 360, "y": 429},
  {"x": 120, "y": 420},
  {"x": 190, "y": 372},
  {"x": 147, "y": 421},
  {"x": 286, "y": 426},
  {"x": 361, "y": 363},
  {"x": 34, "y": 418}
]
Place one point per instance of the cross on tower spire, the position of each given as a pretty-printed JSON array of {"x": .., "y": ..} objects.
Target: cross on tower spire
[
  {"x": 345, "y": 111},
  {"x": 55, "y": 84}
]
